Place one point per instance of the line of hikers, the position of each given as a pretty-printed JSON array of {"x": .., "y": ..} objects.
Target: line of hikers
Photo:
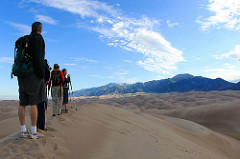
[
  {"x": 58, "y": 82},
  {"x": 60, "y": 87},
  {"x": 34, "y": 76}
]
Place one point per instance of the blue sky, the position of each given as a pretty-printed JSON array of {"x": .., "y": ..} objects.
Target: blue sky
[{"x": 121, "y": 41}]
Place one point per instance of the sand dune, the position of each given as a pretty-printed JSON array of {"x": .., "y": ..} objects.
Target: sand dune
[
  {"x": 221, "y": 117},
  {"x": 9, "y": 122},
  {"x": 8, "y": 109},
  {"x": 217, "y": 110},
  {"x": 106, "y": 132}
]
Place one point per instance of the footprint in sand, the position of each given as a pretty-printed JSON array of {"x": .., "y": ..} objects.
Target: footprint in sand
[
  {"x": 61, "y": 119},
  {"x": 55, "y": 148},
  {"x": 44, "y": 141},
  {"x": 50, "y": 129},
  {"x": 4, "y": 153},
  {"x": 123, "y": 133}
]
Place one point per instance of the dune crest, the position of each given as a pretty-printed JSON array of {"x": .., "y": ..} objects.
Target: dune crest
[{"x": 102, "y": 131}]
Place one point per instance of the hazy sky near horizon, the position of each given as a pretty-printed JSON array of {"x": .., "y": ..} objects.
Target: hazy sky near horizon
[{"x": 102, "y": 41}]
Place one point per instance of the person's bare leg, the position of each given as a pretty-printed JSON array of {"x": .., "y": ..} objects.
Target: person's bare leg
[
  {"x": 66, "y": 105},
  {"x": 34, "y": 115},
  {"x": 21, "y": 114}
]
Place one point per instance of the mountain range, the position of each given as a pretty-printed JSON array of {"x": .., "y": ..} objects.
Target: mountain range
[{"x": 178, "y": 83}]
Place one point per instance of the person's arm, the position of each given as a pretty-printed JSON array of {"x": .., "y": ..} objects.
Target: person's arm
[
  {"x": 47, "y": 71},
  {"x": 39, "y": 66},
  {"x": 50, "y": 82},
  {"x": 62, "y": 76}
]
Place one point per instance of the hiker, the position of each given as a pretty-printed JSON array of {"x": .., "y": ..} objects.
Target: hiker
[
  {"x": 32, "y": 87},
  {"x": 42, "y": 107},
  {"x": 65, "y": 89},
  {"x": 56, "y": 81}
]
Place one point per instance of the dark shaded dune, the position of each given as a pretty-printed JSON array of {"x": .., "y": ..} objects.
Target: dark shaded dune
[{"x": 221, "y": 117}]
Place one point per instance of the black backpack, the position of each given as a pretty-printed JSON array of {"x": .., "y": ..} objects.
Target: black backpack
[
  {"x": 56, "y": 80},
  {"x": 23, "y": 60}
]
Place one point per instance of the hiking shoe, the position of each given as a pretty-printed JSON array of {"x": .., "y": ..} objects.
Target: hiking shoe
[
  {"x": 66, "y": 111},
  {"x": 42, "y": 130},
  {"x": 24, "y": 134},
  {"x": 35, "y": 136}
]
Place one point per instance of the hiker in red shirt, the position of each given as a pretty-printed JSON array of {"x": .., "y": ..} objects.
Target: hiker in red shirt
[{"x": 56, "y": 80}]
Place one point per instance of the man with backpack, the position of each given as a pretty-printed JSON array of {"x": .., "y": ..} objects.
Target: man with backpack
[
  {"x": 30, "y": 72},
  {"x": 56, "y": 80},
  {"x": 42, "y": 107}
]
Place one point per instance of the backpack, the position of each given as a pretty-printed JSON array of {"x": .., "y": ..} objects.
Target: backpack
[
  {"x": 47, "y": 71},
  {"x": 66, "y": 83},
  {"x": 23, "y": 61},
  {"x": 56, "y": 78}
]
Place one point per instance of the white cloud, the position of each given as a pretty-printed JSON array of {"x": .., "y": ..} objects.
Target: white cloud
[
  {"x": 70, "y": 64},
  {"x": 138, "y": 35},
  {"x": 197, "y": 58},
  {"x": 6, "y": 60},
  {"x": 161, "y": 56},
  {"x": 24, "y": 29},
  {"x": 85, "y": 8},
  {"x": 118, "y": 75},
  {"x": 225, "y": 73},
  {"x": 226, "y": 13},
  {"x": 159, "y": 77},
  {"x": 229, "y": 66},
  {"x": 50, "y": 40},
  {"x": 171, "y": 24},
  {"x": 235, "y": 54},
  {"x": 122, "y": 73},
  {"x": 85, "y": 60},
  {"x": 128, "y": 61},
  {"x": 46, "y": 19},
  {"x": 129, "y": 80},
  {"x": 107, "y": 77}
]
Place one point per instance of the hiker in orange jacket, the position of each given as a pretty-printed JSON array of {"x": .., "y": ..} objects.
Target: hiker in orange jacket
[{"x": 56, "y": 81}]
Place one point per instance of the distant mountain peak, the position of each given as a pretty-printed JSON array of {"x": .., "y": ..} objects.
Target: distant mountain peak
[
  {"x": 183, "y": 76},
  {"x": 112, "y": 84},
  {"x": 179, "y": 83}
]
